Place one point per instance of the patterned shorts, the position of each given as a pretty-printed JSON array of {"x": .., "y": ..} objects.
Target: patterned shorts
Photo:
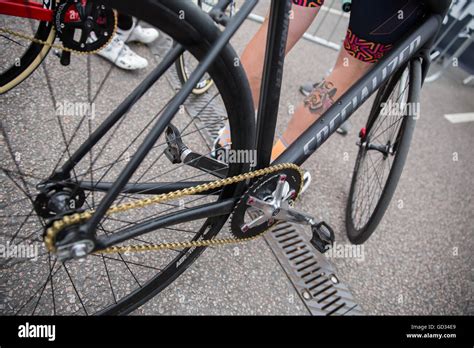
[{"x": 375, "y": 25}]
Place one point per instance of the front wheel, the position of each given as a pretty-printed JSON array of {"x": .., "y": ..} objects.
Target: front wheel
[{"x": 383, "y": 149}]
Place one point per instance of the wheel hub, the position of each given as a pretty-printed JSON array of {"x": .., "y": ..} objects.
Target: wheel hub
[
  {"x": 74, "y": 243},
  {"x": 55, "y": 199}
]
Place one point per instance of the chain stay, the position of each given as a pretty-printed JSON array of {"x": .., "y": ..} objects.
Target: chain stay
[{"x": 70, "y": 220}]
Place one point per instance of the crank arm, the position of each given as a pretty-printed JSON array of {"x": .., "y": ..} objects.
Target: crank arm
[
  {"x": 323, "y": 235},
  {"x": 295, "y": 216},
  {"x": 206, "y": 164}
]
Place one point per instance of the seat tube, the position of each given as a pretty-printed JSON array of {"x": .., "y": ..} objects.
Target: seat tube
[{"x": 272, "y": 79}]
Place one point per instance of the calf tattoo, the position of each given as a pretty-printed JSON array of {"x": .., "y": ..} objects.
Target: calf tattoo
[{"x": 321, "y": 98}]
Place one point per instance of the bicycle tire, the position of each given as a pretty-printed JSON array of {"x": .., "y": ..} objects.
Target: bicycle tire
[
  {"x": 196, "y": 33},
  {"x": 359, "y": 234},
  {"x": 31, "y": 59},
  {"x": 202, "y": 86}
]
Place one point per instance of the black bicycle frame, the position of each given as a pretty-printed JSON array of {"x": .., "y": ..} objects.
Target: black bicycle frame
[
  {"x": 416, "y": 43},
  {"x": 271, "y": 80}
]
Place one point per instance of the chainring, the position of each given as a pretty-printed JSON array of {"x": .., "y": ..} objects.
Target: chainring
[
  {"x": 84, "y": 25},
  {"x": 261, "y": 189}
]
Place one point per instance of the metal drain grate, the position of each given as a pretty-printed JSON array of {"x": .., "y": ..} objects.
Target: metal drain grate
[{"x": 312, "y": 275}]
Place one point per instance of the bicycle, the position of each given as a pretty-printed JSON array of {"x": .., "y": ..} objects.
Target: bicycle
[
  {"x": 39, "y": 17},
  {"x": 44, "y": 13},
  {"x": 79, "y": 208}
]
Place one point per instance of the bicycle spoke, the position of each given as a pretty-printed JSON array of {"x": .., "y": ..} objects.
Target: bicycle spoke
[
  {"x": 128, "y": 262},
  {"x": 108, "y": 278},
  {"x": 51, "y": 284},
  {"x": 22, "y": 224},
  {"x": 39, "y": 289},
  {"x": 395, "y": 103},
  {"x": 75, "y": 290},
  {"x": 11, "y": 40}
]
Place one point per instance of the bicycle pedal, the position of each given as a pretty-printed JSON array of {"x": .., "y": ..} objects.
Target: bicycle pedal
[
  {"x": 177, "y": 152},
  {"x": 323, "y": 236},
  {"x": 176, "y": 146}
]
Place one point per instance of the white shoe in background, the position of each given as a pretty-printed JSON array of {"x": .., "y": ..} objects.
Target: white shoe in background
[
  {"x": 122, "y": 56},
  {"x": 138, "y": 34}
]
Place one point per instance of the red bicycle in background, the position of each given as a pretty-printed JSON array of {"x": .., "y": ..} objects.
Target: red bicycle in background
[{"x": 28, "y": 29}]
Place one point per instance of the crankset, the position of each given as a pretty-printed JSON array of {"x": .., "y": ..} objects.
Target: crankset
[
  {"x": 83, "y": 26},
  {"x": 266, "y": 202},
  {"x": 270, "y": 201}
]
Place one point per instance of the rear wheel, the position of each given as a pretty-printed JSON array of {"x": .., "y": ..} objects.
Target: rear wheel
[
  {"x": 383, "y": 149},
  {"x": 121, "y": 282}
]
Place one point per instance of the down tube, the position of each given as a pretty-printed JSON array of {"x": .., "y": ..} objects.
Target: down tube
[{"x": 323, "y": 128}]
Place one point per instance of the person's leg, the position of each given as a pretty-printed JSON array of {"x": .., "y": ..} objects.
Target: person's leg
[
  {"x": 374, "y": 27},
  {"x": 254, "y": 54},
  {"x": 346, "y": 71}
]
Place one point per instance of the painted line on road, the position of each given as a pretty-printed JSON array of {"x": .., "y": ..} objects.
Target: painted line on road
[{"x": 460, "y": 118}]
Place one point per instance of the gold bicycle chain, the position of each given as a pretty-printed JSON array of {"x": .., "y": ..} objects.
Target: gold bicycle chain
[
  {"x": 41, "y": 42},
  {"x": 78, "y": 218}
]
